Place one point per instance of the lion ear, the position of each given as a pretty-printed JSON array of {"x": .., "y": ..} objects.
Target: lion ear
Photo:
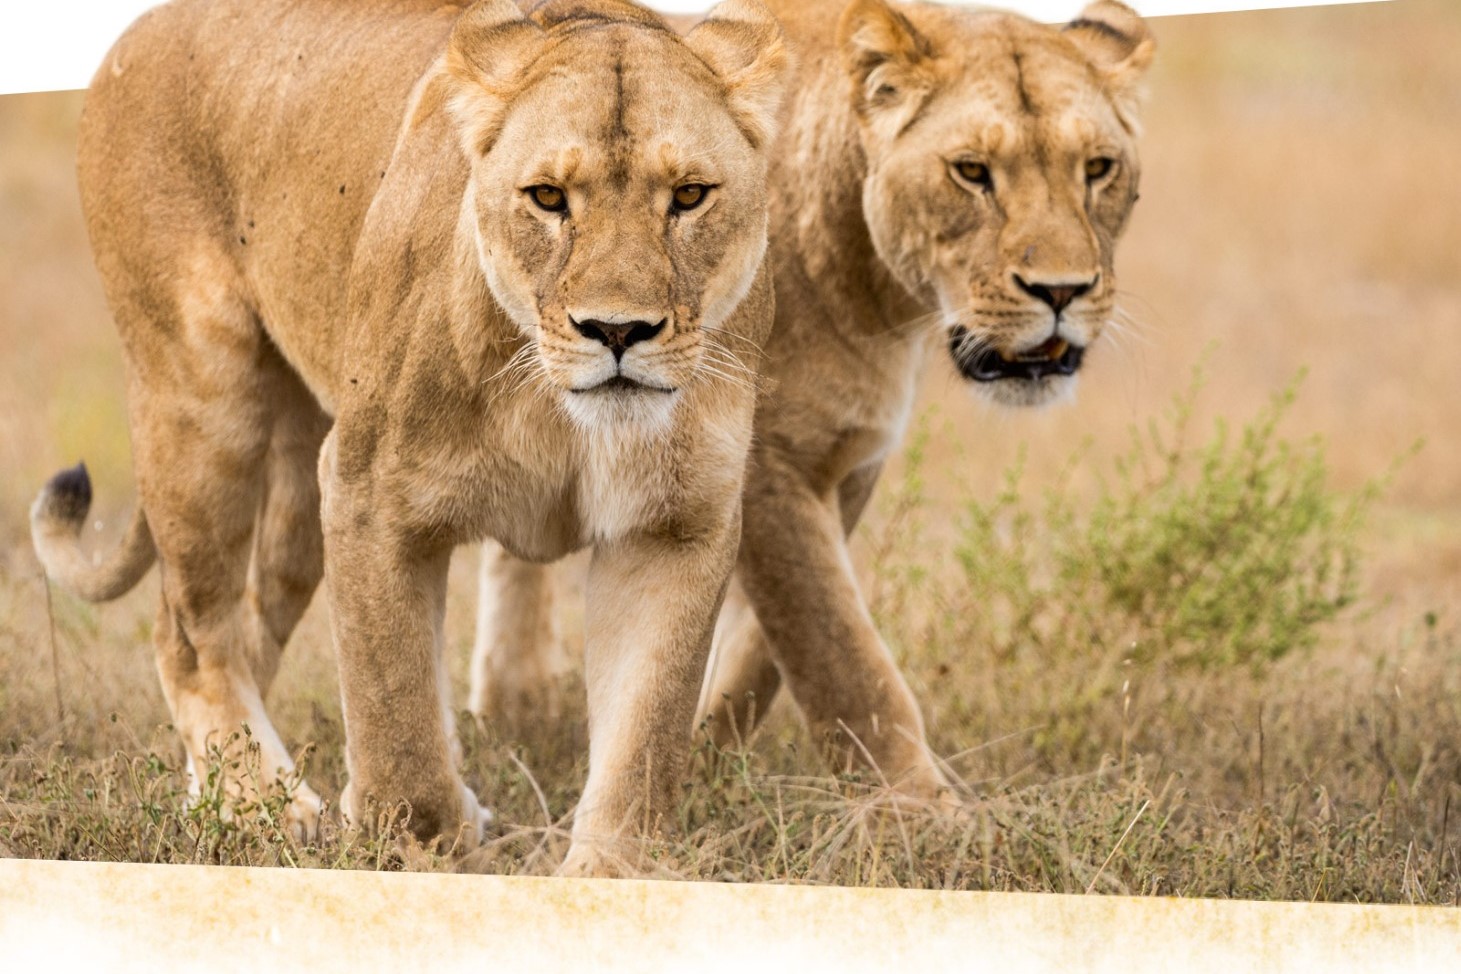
[
  {"x": 885, "y": 56},
  {"x": 743, "y": 44},
  {"x": 1118, "y": 43},
  {"x": 490, "y": 46}
]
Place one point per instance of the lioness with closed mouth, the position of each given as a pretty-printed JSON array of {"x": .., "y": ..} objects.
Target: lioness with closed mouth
[
  {"x": 946, "y": 178},
  {"x": 392, "y": 277}
]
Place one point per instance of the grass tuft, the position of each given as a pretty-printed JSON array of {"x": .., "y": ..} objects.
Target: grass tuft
[{"x": 1231, "y": 552}]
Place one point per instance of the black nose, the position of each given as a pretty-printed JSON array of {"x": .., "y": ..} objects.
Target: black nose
[
  {"x": 1055, "y": 295},
  {"x": 620, "y": 335}
]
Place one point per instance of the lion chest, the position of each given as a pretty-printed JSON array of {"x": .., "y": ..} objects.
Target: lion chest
[
  {"x": 544, "y": 512},
  {"x": 542, "y": 525},
  {"x": 617, "y": 492}
]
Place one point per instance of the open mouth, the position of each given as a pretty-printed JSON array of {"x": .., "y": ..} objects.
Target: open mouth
[
  {"x": 1054, "y": 356},
  {"x": 622, "y": 383}
]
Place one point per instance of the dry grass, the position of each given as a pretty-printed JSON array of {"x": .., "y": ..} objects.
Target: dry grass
[{"x": 1297, "y": 211}]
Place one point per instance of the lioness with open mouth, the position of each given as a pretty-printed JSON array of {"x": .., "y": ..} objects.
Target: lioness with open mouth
[
  {"x": 393, "y": 277},
  {"x": 947, "y": 179}
]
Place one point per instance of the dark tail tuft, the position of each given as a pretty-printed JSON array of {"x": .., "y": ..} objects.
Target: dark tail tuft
[
  {"x": 68, "y": 493},
  {"x": 56, "y": 520}
]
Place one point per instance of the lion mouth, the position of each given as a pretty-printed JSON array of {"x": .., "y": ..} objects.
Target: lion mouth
[
  {"x": 621, "y": 383},
  {"x": 1054, "y": 356}
]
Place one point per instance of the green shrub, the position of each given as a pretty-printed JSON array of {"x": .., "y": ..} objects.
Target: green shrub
[{"x": 1231, "y": 552}]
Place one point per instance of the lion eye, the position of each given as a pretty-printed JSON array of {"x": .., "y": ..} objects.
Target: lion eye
[
  {"x": 549, "y": 198},
  {"x": 689, "y": 196},
  {"x": 1099, "y": 168},
  {"x": 973, "y": 172}
]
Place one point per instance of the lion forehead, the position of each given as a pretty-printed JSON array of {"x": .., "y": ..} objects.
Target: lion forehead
[
  {"x": 1014, "y": 104},
  {"x": 624, "y": 109},
  {"x": 619, "y": 77}
]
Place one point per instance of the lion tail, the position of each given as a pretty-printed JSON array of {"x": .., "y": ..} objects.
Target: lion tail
[{"x": 56, "y": 520}]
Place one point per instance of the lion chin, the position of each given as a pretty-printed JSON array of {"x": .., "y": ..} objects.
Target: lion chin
[
  {"x": 1044, "y": 374},
  {"x": 621, "y": 406},
  {"x": 1048, "y": 391}
]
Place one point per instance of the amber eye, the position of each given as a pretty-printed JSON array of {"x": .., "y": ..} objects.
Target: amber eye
[
  {"x": 549, "y": 198},
  {"x": 1099, "y": 168},
  {"x": 973, "y": 172},
  {"x": 689, "y": 196}
]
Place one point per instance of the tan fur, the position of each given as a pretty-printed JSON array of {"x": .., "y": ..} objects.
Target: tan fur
[
  {"x": 881, "y": 252},
  {"x": 306, "y": 212},
  {"x": 521, "y": 657}
]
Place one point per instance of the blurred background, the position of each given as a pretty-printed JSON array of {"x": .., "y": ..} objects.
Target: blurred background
[{"x": 1300, "y": 210}]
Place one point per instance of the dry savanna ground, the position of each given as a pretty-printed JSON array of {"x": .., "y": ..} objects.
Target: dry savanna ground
[{"x": 1216, "y": 667}]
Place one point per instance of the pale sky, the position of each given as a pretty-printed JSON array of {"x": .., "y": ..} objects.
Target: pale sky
[{"x": 46, "y": 45}]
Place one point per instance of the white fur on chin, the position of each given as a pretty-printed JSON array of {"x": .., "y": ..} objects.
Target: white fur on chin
[
  {"x": 621, "y": 413},
  {"x": 1051, "y": 391}
]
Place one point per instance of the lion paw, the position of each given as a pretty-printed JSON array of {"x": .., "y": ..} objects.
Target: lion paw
[
  {"x": 303, "y": 815},
  {"x": 588, "y": 861},
  {"x": 478, "y": 820},
  {"x": 470, "y": 830}
]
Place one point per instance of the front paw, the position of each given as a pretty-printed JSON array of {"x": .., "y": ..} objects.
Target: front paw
[
  {"x": 303, "y": 814},
  {"x": 477, "y": 820},
  {"x": 452, "y": 826},
  {"x": 589, "y": 860},
  {"x": 932, "y": 790}
]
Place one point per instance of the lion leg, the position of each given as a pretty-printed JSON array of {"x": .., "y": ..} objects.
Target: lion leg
[
  {"x": 287, "y": 561},
  {"x": 742, "y": 678},
  {"x": 200, "y": 447},
  {"x": 518, "y": 657},
  {"x": 644, "y": 665},
  {"x": 386, "y": 583},
  {"x": 798, "y": 574}
]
